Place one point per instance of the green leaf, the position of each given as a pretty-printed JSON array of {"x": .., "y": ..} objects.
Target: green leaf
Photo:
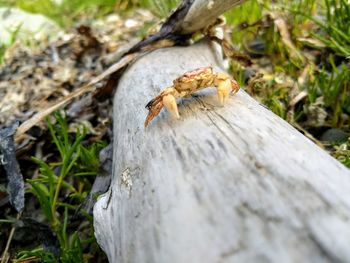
[
  {"x": 40, "y": 253},
  {"x": 42, "y": 193}
]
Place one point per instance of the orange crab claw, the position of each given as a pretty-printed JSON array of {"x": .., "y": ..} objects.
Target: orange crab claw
[
  {"x": 154, "y": 107},
  {"x": 167, "y": 99}
]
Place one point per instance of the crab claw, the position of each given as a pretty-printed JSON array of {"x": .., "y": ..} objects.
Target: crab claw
[
  {"x": 169, "y": 103},
  {"x": 165, "y": 99},
  {"x": 224, "y": 89},
  {"x": 154, "y": 107},
  {"x": 224, "y": 86}
]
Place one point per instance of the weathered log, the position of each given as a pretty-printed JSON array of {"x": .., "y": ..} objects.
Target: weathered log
[
  {"x": 222, "y": 184},
  {"x": 203, "y": 13},
  {"x": 190, "y": 17}
]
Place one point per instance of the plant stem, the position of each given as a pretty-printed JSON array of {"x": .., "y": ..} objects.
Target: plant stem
[
  {"x": 4, "y": 254},
  {"x": 55, "y": 221}
]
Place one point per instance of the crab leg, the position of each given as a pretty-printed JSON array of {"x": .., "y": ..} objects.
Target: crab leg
[
  {"x": 169, "y": 103},
  {"x": 224, "y": 86}
]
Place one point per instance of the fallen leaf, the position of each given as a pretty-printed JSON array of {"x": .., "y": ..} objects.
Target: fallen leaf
[{"x": 15, "y": 185}]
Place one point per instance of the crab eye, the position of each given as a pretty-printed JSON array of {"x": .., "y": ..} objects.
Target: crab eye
[{"x": 149, "y": 104}]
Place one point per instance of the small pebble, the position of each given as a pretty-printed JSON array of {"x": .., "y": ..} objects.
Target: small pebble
[{"x": 334, "y": 135}]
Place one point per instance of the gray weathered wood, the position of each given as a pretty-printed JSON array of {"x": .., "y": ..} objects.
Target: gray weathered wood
[
  {"x": 221, "y": 184},
  {"x": 203, "y": 13},
  {"x": 190, "y": 17}
]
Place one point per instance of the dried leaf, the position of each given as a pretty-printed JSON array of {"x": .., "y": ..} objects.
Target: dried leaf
[
  {"x": 282, "y": 27},
  {"x": 24, "y": 127},
  {"x": 15, "y": 186}
]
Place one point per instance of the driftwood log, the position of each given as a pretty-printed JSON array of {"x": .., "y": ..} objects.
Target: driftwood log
[
  {"x": 202, "y": 13},
  {"x": 222, "y": 184},
  {"x": 191, "y": 16}
]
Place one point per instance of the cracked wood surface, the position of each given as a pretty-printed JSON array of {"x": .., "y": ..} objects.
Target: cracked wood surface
[{"x": 221, "y": 184}]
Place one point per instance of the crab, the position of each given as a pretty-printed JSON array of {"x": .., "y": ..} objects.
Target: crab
[{"x": 186, "y": 85}]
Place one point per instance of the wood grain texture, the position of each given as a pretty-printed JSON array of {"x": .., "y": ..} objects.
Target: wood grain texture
[{"x": 221, "y": 184}]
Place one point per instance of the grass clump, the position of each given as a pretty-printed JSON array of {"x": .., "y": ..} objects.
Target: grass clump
[
  {"x": 159, "y": 8},
  {"x": 10, "y": 41},
  {"x": 66, "y": 12},
  {"x": 302, "y": 49},
  {"x": 342, "y": 153},
  {"x": 334, "y": 88},
  {"x": 61, "y": 187},
  {"x": 335, "y": 26}
]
